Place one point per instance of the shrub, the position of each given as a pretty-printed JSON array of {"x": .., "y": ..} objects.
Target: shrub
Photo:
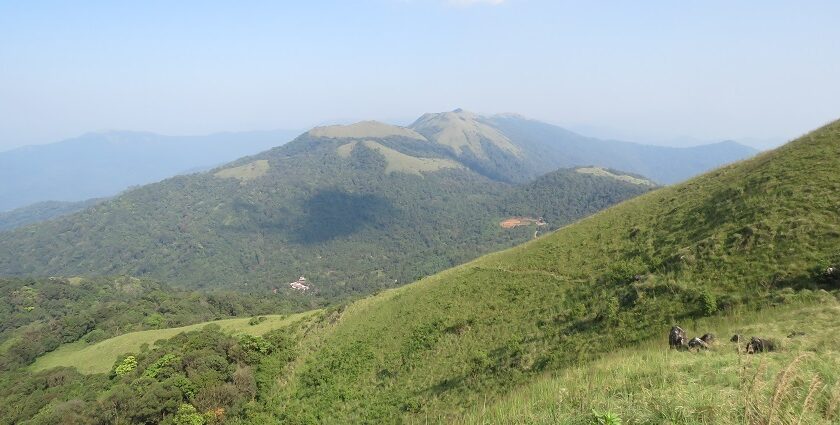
[
  {"x": 254, "y": 347},
  {"x": 188, "y": 415},
  {"x": 155, "y": 368},
  {"x": 257, "y": 320},
  {"x": 606, "y": 418},
  {"x": 128, "y": 364},
  {"x": 95, "y": 336},
  {"x": 709, "y": 302}
]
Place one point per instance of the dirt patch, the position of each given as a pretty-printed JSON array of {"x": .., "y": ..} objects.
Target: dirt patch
[{"x": 512, "y": 222}]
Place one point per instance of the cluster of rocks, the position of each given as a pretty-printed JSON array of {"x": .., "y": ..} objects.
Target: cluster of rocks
[
  {"x": 755, "y": 344},
  {"x": 677, "y": 339}
]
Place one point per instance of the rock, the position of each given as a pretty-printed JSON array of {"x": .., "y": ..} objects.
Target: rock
[
  {"x": 698, "y": 344},
  {"x": 677, "y": 338},
  {"x": 759, "y": 345}
]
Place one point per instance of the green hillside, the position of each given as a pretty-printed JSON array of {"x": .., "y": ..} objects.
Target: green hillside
[
  {"x": 353, "y": 208},
  {"x": 744, "y": 236},
  {"x": 100, "y": 357},
  {"x": 746, "y": 248},
  {"x": 39, "y": 315},
  {"x": 650, "y": 384}
]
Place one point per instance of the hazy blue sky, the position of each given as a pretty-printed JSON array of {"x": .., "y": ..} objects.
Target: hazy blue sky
[{"x": 650, "y": 71}]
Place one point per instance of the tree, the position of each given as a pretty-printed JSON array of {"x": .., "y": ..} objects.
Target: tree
[
  {"x": 188, "y": 415},
  {"x": 127, "y": 366}
]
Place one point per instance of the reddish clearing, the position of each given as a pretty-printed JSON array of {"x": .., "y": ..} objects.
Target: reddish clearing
[{"x": 512, "y": 222}]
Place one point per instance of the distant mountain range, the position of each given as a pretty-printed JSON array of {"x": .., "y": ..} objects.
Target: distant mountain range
[
  {"x": 354, "y": 208},
  {"x": 42, "y": 211},
  {"x": 103, "y": 164},
  {"x": 504, "y": 147},
  {"x": 546, "y": 147},
  {"x": 553, "y": 331}
]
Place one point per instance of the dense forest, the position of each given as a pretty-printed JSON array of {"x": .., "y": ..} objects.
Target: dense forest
[
  {"x": 38, "y": 315},
  {"x": 352, "y": 222},
  {"x": 176, "y": 381}
]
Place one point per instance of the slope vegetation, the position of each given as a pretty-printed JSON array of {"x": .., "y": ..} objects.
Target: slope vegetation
[
  {"x": 799, "y": 383},
  {"x": 730, "y": 244},
  {"x": 353, "y": 214},
  {"x": 39, "y": 315},
  {"x": 100, "y": 357},
  {"x": 742, "y": 236}
]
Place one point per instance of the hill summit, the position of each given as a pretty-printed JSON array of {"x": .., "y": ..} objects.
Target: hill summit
[{"x": 355, "y": 208}]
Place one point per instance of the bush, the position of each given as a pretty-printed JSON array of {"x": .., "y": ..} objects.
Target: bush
[
  {"x": 254, "y": 347},
  {"x": 709, "y": 302},
  {"x": 257, "y": 320},
  {"x": 95, "y": 336},
  {"x": 128, "y": 364},
  {"x": 188, "y": 415}
]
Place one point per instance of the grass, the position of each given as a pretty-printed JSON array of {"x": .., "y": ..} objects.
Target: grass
[
  {"x": 750, "y": 234},
  {"x": 246, "y": 172},
  {"x": 100, "y": 357},
  {"x": 652, "y": 384},
  {"x": 597, "y": 171},
  {"x": 398, "y": 162}
]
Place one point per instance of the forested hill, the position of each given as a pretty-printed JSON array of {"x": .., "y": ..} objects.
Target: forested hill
[
  {"x": 353, "y": 208},
  {"x": 754, "y": 235},
  {"x": 747, "y": 247},
  {"x": 38, "y": 315}
]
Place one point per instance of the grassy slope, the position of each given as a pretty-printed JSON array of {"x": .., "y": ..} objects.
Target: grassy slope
[
  {"x": 100, "y": 357},
  {"x": 737, "y": 235},
  {"x": 651, "y": 384}
]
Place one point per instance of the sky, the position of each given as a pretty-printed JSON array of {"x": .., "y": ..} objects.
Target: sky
[{"x": 661, "y": 72}]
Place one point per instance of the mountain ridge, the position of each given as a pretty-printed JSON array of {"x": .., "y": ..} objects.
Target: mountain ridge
[
  {"x": 747, "y": 236},
  {"x": 354, "y": 214}
]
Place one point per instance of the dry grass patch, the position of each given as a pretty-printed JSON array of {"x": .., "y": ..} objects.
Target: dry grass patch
[
  {"x": 598, "y": 171},
  {"x": 245, "y": 173},
  {"x": 800, "y": 383}
]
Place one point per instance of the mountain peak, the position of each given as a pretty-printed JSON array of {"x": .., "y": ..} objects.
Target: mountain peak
[
  {"x": 364, "y": 130},
  {"x": 460, "y": 130}
]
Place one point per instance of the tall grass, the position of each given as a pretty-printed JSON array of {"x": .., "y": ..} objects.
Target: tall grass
[{"x": 799, "y": 384}]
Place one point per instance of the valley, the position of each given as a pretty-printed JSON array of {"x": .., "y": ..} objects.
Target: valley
[
  {"x": 569, "y": 327},
  {"x": 400, "y": 212},
  {"x": 357, "y": 208}
]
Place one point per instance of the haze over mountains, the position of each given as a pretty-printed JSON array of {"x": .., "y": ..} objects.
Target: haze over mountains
[
  {"x": 98, "y": 165},
  {"x": 503, "y": 147},
  {"x": 366, "y": 205},
  {"x": 761, "y": 234},
  {"x": 354, "y": 208}
]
